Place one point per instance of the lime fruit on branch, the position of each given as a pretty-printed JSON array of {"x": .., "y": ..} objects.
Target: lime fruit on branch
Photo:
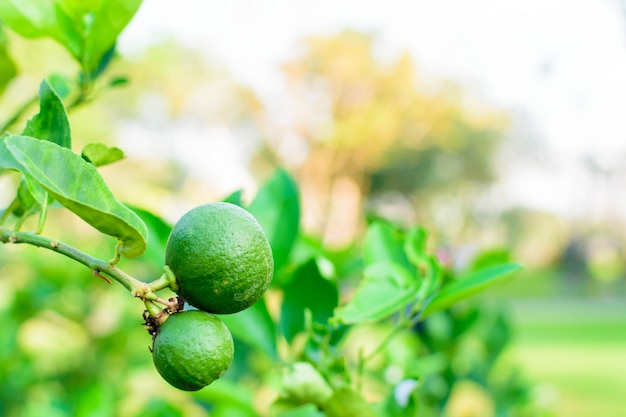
[
  {"x": 221, "y": 258},
  {"x": 192, "y": 349}
]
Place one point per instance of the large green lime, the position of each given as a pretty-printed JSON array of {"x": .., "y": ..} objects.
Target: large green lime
[
  {"x": 221, "y": 258},
  {"x": 192, "y": 349}
]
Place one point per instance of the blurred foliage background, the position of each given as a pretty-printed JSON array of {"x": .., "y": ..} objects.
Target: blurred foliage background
[{"x": 364, "y": 137}]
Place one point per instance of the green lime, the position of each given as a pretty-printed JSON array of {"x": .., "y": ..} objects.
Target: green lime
[
  {"x": 192, "y": 349},
  {"x": 221, "y": 258}
]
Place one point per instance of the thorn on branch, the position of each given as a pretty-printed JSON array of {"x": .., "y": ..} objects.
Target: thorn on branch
[{"x": 99, "y": 275}]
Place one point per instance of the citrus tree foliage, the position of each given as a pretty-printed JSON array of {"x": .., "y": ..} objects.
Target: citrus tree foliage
[{"x": 381, "y": 328}]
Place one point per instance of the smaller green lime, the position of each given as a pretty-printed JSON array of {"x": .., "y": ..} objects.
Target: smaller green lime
[{"x": 192, "y": 349}]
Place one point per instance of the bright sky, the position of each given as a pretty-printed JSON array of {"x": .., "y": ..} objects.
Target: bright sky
[{"x": 561, "y": 63}]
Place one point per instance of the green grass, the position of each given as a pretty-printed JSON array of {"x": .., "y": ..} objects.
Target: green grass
[{"x": 575, "y": 350}]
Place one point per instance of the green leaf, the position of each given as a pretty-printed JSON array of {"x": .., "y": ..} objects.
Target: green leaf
[
  {"x": 100, "y": 154},
  {"x": 71, "y": 33},
  {"x": 234, "y": 198},
  {"x": 159, "y": 407},
  {"x": 118, "y": 81},
  {"x": 51, "y": 123},
  {"x": 347, "y": 403},
  {"x": 87, "y": 29},
  {"x": 494, "y": 256},
  {"x": 428, "y": 266},
  {"x": 61, "y": 84},
  {"x": 307, "y": 290},
  {"x": 468, "y": 286},
  {"x": 96, "y": 400},
  {"x": 255, "y": 327},
  {"x": 431, "y": 272},
  {"x": 284, "y": 408},
  {"x": 415, "y": 245},
  {"x": 29, "y": 18},
  {"x": 303, "y": 383},
  {"x": 386, "y": 289},
  {"x": 26, "y": 203},
  {"x": 76, "y": 9},
  {"x": 227, "y": 398},
  {"x": 78, "y": 186},
  {"x": 402, "y": 401},
  {"x": 108, "y": 22},
  {"x": 384, "y": 242},
  {"x": 30, "y": 195},
  {"x": 95, "y": 69},
  {"x": 158, "y": 233},
  {"x": 8, "y": 70},
  {"x": 277, "y": 208}
]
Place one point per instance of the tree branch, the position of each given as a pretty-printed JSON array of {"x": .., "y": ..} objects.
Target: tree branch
[{"x": 98, "y": 266}]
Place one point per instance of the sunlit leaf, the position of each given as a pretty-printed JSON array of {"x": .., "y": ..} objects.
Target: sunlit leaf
[
  {"x": 347, "y": 403},
  {"x": 87, "y": 29},
  {"x": 431, "y": 273},
  {"x": 277, "y": 208},
  {"x": 159, "y": 407},
  {"x": 51, "y": 123},
  {"x": 30, "y": 195},
  {"x": 100, "y": 154},
  {"x": 384, "y": 242},
  {"x": 303, "y": 383},
  {"x": 468, "y": 286},
  {"x": 386, "y": 289},
  {"x": 491, "y": 257},
  {"x": 109, "y": 21},
  {"x": 415, "y": 245},
  {"x": 234, "y": 198},
  {"x": 76, "y": 9},
  {"x": 29, "y": 18},
  {"x": 307, "y": 410},
  {"x": 71, "y": 33},
  {"x": 78, "y": 186},
  {"x": 283, "y": 407},
  {"x": 8, "y": 70},
  {"x": 158, "y": 233},
  {"x": 307, "y": 290},
  {"x": 61, "y": 84}
]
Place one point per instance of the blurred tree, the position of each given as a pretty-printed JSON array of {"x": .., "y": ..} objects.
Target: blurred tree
[{"x": 367, "y": 127}]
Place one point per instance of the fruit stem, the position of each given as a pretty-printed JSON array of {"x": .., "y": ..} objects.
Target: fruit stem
[
  {"x": 97, "y": 266},
  {"x": 167, "y": 280},
  {"x": 153, "y": 309}
]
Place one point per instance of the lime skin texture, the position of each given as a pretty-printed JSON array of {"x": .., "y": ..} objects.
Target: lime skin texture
[
  {"x": 221, "y": 258},
  {"x": 192, "y": 349}
]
